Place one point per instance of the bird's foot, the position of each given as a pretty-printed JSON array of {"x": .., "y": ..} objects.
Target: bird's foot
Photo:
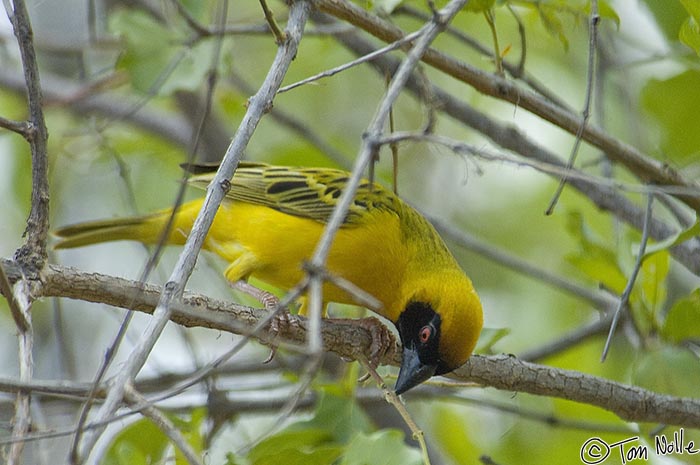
[
  {"x": 282, "y": 320},
  {"x": 383, "y": 339}
]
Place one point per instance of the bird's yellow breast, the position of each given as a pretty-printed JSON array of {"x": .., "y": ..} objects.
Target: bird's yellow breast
[{"x": 271, "y": 246}]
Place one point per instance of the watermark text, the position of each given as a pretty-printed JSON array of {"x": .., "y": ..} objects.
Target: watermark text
[{"x": 596, "y": 450}]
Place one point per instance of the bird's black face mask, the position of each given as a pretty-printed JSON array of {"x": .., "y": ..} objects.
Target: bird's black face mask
[{"x": 419, "y": 328}]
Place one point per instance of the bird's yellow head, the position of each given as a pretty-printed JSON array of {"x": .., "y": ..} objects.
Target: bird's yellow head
[{"x": 439, "y": 327}]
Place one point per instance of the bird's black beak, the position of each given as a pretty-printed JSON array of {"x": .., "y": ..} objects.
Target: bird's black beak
[{"x": 413, "y": 371}]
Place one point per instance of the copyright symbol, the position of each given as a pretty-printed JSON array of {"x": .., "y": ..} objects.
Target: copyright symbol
[{"x": 593, "y": 451}]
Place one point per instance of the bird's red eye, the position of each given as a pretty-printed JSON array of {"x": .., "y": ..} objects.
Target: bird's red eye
[{"x": 425, "y": 333}]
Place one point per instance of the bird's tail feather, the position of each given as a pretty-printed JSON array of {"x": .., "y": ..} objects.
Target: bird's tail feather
[{"x": 140, "y": 228}]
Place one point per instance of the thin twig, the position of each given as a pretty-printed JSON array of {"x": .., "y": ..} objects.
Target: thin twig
[
  {"x": 571, "y": 339},
  {"x": 163, "y": 423},
  {"x": 109, "y": 356},
  {"x": 22, "y": 419},
  {"x": 510, "y": 138},
  {"x": 624, "y": 299},
  {"x": 545, "y": 166},
  {"x": 590, "y": 79},
  {"x": 272, "y": 401},
  {"x": 20, "y": 127},
  {"x": 16, "y": 311},
  {"x": 280, "y": 37},
  {"x": 520, "y": 69},
  {"x": 358, "y": 61},
  {"x": 498, "y": 59},
  {"x": 535, "y": 415},
  {"x": 391, "y": 397},
  {"x": 113, "y": 348},
  {"x": 359, "y": 295},
  {"x": 115, "y": 344},
  {"x": 394, "y": 152},
  {"x": 294, "y": 123},
  {"x": 367, "y": 152},
  {"x": 247, "y": 29}
]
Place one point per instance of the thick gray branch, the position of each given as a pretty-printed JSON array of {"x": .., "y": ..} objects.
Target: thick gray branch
[{"x": 630, "y": 403}]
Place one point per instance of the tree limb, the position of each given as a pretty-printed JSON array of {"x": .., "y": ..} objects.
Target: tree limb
[
  {"x": 32, "y": 254},
  {"x": 630, "y": 403}
]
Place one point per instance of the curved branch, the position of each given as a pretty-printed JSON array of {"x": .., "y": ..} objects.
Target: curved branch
[{"x": 629, "y": 402}]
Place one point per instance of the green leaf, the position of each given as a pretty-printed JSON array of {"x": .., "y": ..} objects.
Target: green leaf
[
  {"x": 386, "y": 447},
  {"x": 191, "y": 429},
  {"x": 683, "y": 319},
  {"x": 196, "y": 8},
  {"x": 479, "y": 6},
  {"x": 693, "y": 8},
  {"x": 338, "y": 414},
  {"x": 653, "y": 280},
  {"x": 668, "y": 16},
  {"x": 606, "y": 11},
  {"x": 593, "y": 258},
  {"x": 550, "y": 17},
  {"x": 303, "y": 447},
  {"x": 232, "y": 459},
  {"x": 673, "y": 103},
  {"x": 454, "y": 440},
  {"x": 689, "y": 32},
  {"x": 489, "y": 337},
  {"x": 139, "y": 443},
  {"x": 318, "y": 440},
  {"x": 674, "y": 240},
  {"x": 669, "y": 370},
  {"x": 554, "y": 13}
]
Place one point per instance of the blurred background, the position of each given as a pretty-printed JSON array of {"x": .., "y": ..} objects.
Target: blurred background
[{"x": 125, "y": 86}]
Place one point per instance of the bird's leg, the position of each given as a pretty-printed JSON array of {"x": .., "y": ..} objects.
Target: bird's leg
[
  {"x": 268, "y": 299},
  {"x": 383, "y": 339},
  {"x": 281, "y": 319}
]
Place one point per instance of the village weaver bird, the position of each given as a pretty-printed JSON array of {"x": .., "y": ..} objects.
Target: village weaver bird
[{"x": 269, "y": 224}]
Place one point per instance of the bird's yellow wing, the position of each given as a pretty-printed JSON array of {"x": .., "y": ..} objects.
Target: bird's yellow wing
[{"x": 304, "y": 192}]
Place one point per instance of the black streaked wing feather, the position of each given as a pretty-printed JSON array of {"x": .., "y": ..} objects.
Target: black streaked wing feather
[{"x": 305, "y": 192}]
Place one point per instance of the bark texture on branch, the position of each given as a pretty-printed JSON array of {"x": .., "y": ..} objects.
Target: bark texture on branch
[{"x": 630, "y": 403}]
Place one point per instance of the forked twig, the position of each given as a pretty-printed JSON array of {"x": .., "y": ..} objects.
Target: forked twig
[{"x": 395, "y": 401}]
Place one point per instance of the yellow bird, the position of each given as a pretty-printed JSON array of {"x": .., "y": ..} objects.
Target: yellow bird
[{"x": 271, "y": 221}]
